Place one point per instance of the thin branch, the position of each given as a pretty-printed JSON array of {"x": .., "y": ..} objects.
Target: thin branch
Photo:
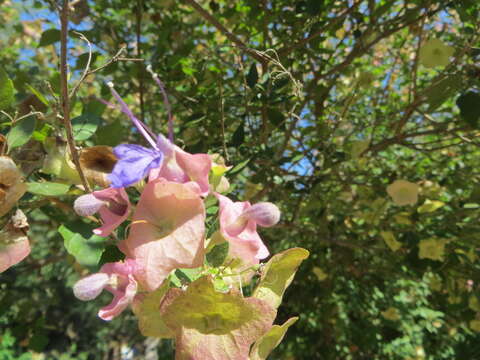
[
  {"x": 87, "y": 67},
  {"x": 332, "y": 24},
  {"x": 222, "y": 120},
  {"x": 65, "y": 100},
  {"x": 232, "y": 37}
]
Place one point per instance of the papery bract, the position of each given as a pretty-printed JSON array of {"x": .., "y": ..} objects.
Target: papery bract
[
  {"x": 12, "y": 187},
  {"x": 117, "y": 278},
  {"x": 112, "y": 204},
  {"x": 167, "y": 231},
  {"x": 238, "y": 225},
  {"x": 182, "y": 167},
  {"x": 403, "y": 192},
  {"x": 213, "y": 325},
  {"x": 14, "y": 244}
]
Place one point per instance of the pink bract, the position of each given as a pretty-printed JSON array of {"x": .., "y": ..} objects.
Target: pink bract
[
  {"x": 112, "y": 204},
  {"x": 13, "y": 252},
  {"x": 182, "y": 167},
  {"x": 238, "y": 225},
  {"x": 116, "y": 278},
  {"x": 167, "y": 231}
]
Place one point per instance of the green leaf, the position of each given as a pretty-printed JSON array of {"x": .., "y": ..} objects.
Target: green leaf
[
  {"x": 84, "y": 126},
  {"x": 269, "y": 341},
  {"x": 6, "y": 90},
  {"x": 48, "y": 188},
  {"x": 314, "y": 7},
  {"x": 238, "y": 137},
  {"x": 443, "y": 90},
  {"x": 111, "y": 134},
  {"x": 146, "y": 309},
  {"x": 276, "y": 117},
  {"x": 49, "y": 37},
  {"x": 469, "y": 105},
  {"x": 430, "y": 206},
  {"x": 111, "y": 254},
  {"x": 239, "y": 167},
  {"x": 87, "y": 252},
  {"x": 278, "y": 274},
  {"x": 188, "y": 275},
  {"x": 37, "y": 94},
  {"x": 82, "y": 60},
  {"x": 252, "y": 76},
  {"x": 216, "y": 257},
  {"x": 21, "y": 132}
]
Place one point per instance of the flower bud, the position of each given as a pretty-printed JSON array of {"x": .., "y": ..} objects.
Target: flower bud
[
  {"x": 91, "y": 286},
  {"x": 264, "y": 214},
  {"x": 87, "y": 205}
]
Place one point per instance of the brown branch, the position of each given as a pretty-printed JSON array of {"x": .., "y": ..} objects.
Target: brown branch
[
  {"x": 332, "y": 24},
  {"x": 65, "y": 99},
  {"x": 232, "y": 37},
  {"x": 360, "y": 49},
  {"x": 87, "y": 67}
]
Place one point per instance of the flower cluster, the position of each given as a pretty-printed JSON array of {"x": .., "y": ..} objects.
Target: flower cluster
[{"x": 167, "y": 229}]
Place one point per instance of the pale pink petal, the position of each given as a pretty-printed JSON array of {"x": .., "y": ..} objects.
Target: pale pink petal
[
  {"x": 90, "y": 287},
  {"x": 115, "y": 213},
  {"x": 120, "y": 301},
  {"x": 118, "y": 279},
  {"x": 167, "y": 232},
  {"x": 248, "y": 245},
  {"x": 241, "y": 232},
  {"x": 14, "y": 252},
  {"x": 182, "y": 167},
  {"x": 231, "y": 220},
  {"x": 197, "y": 167},
  {"x": 125, "y": 268}
]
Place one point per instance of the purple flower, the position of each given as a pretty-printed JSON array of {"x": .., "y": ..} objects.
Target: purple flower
[{"x": 134, "y": 163}]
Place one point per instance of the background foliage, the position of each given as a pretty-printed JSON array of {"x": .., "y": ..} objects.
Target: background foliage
[{"x": 322, "y": 105}]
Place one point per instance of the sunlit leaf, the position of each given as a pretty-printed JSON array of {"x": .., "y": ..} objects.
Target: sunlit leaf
[
  {"x": 264, "y": 346},
  {"x": 21, "y": 132},
  {"x": 48, "y": 188},
  {"x": 6, "y": 90},
  {"x": 278, "y": 274}
]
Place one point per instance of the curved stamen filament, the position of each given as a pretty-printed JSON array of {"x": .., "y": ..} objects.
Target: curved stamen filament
[
  {"x": 139, "y": 125},
  {"x": 161, "y": 85}
]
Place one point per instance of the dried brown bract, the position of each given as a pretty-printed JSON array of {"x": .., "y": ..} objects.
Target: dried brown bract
[
  {"x": 97, "y": 162},
  {"x": 12, "y": 187}
]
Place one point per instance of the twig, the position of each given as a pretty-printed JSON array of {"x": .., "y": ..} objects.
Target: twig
[
  {"x": 332, "y": 24},
  {"x": 222, "y": 120},
  {"x": 65, "y": 100},
  {"x": 413, "y": 88},
  {"x": 7, "y": 115},
  {"x": 87, "y": 67},
  {"x": 232, "y": 37},
  {"x": 114, "y": 59}
]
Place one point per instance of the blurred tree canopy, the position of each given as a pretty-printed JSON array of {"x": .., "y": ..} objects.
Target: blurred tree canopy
[{"x": 359, "y": 118}]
